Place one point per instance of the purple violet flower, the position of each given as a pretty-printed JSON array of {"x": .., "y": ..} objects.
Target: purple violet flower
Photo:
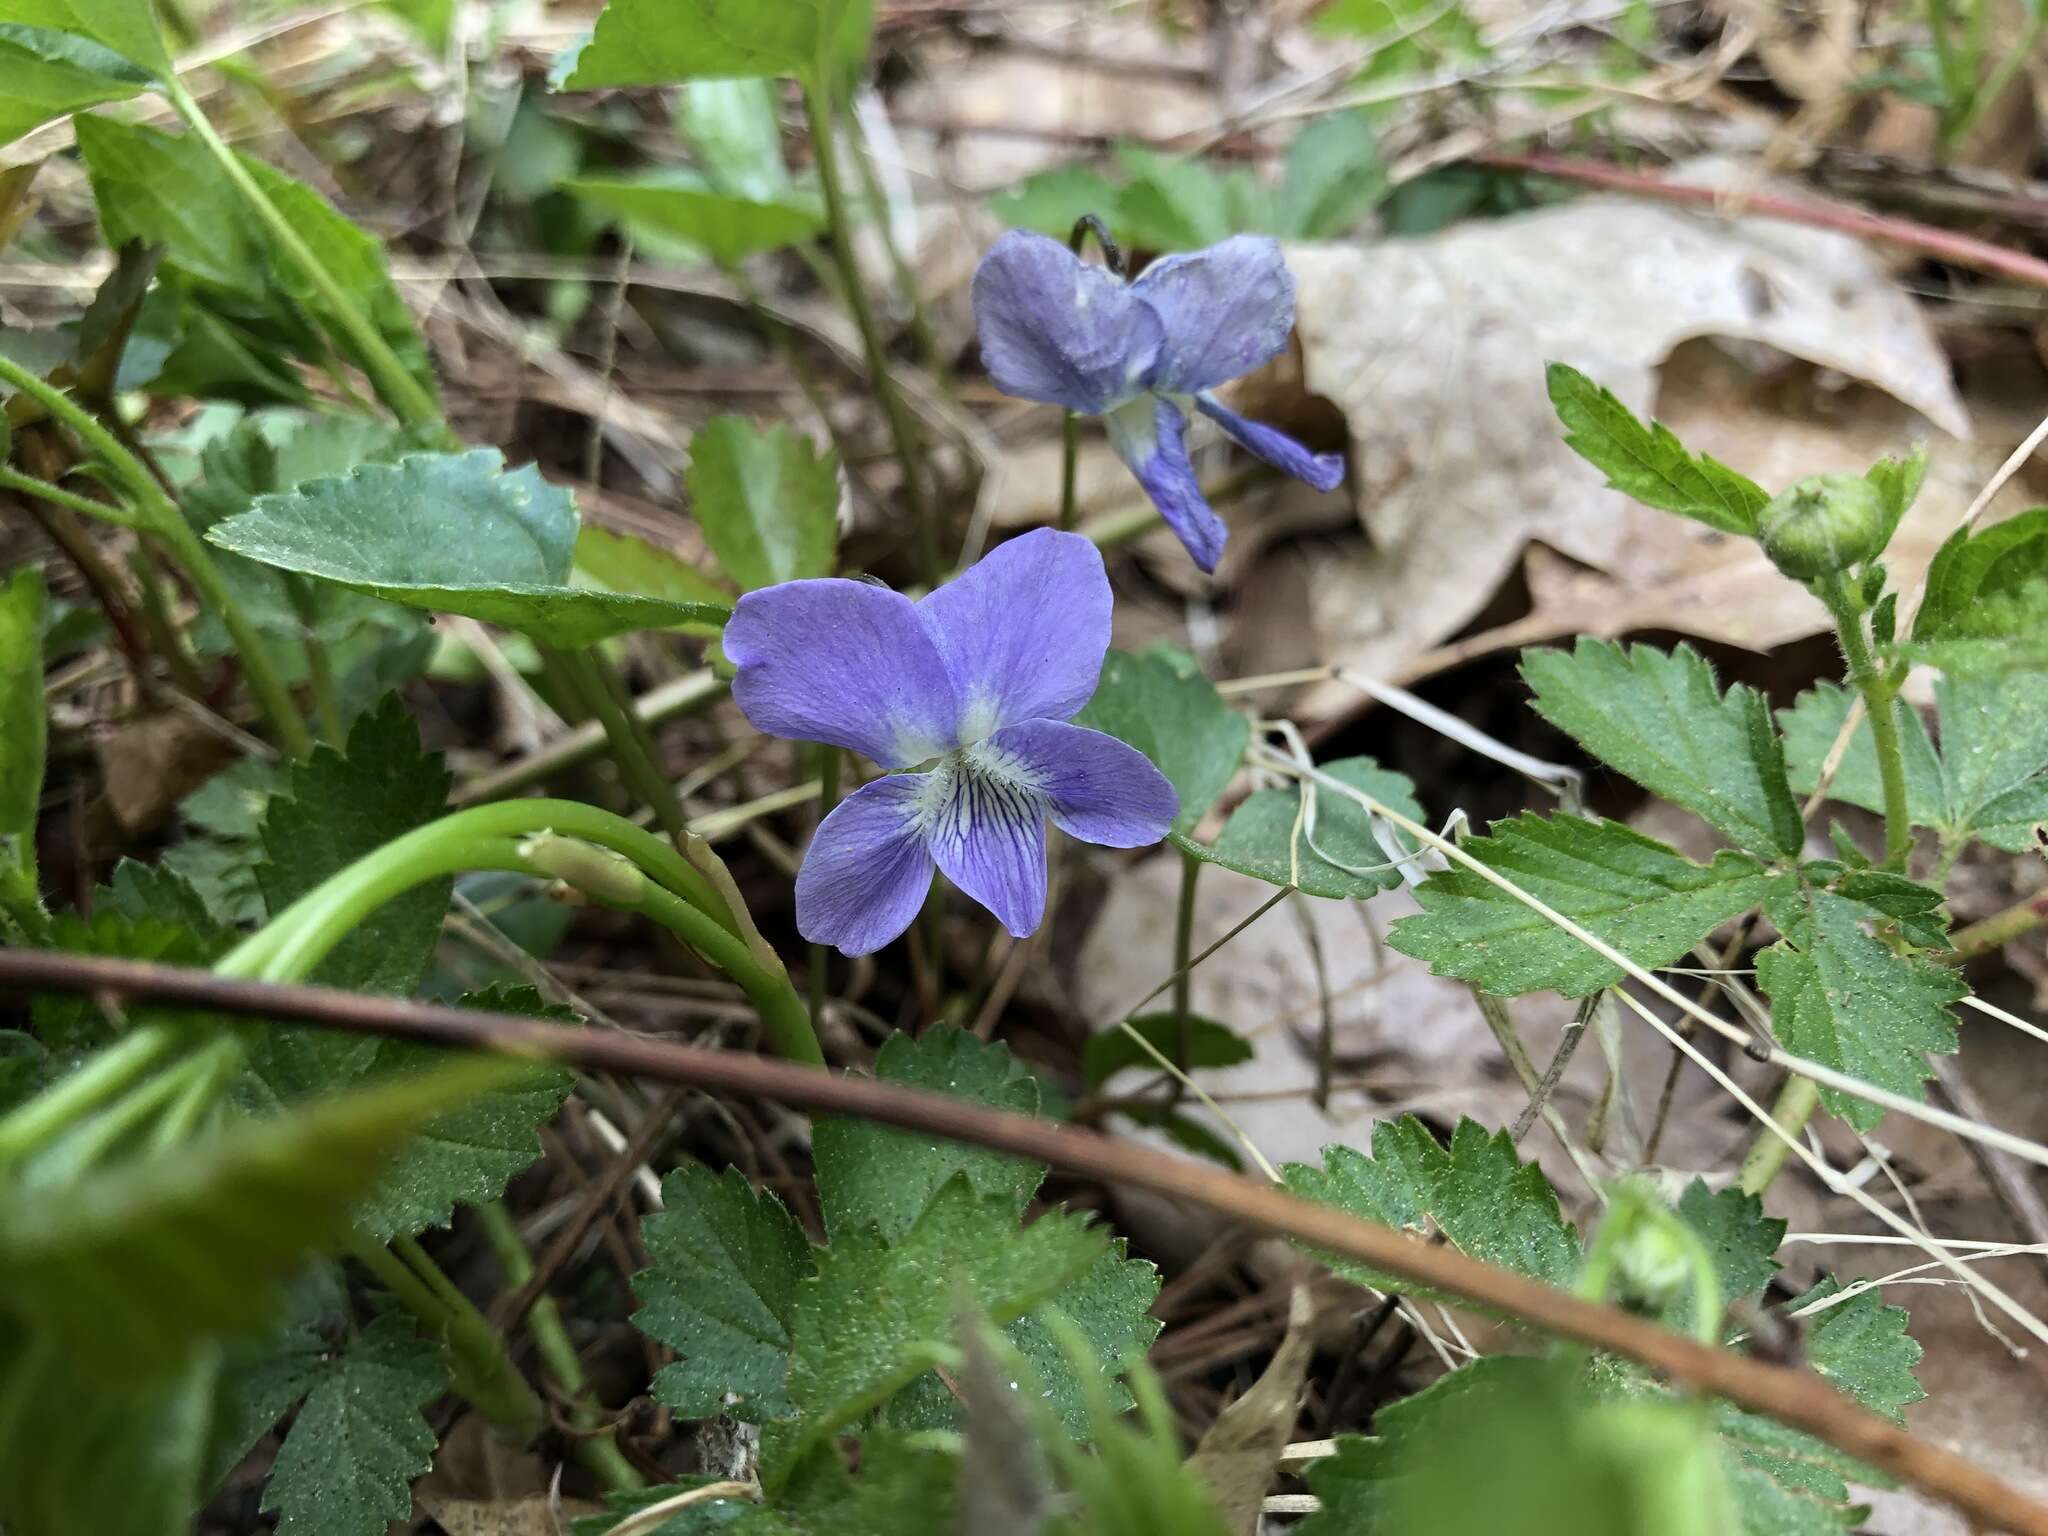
[
  {"x": 1057, "y": 330},
  {"x": 974, "y": 683}
]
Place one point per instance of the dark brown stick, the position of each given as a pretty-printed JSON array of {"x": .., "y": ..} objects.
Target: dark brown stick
[
  {"x": 1798, "y": 1398},
  {"x": 1944, "y": 245}
]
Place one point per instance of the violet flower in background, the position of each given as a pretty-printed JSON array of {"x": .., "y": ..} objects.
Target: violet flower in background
[
  {"x": 1057, "y": 330},
  {"x": 981, "y": 676}
]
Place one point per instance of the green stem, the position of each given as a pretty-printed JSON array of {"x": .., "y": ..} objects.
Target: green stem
[
  {"x": 632, "y": 743},
  {"x": 484, "y": 1373},
  {"x": 1183, "y": 965},
  {"x": 1797, "y": 1101},
  {"x": 598, "y": 1449},
  {"x": 408, "y": 398},
  {"x": 902, "y": 429},
  {"x": 1070, "y": 462},
  {"x": 70, "y": 501},
  {"x": 1997, "y": 930},
  {"x": 821, "y": 955},
  {"x": 1878, "y": 694},
  {"x": 319, "y": 664},
  {"x": 162, "y": 516},
  {"x": 783, "y": 1013},
  {"x": 1985, "y": 97},
  {"x": 106, "y": 1076}
]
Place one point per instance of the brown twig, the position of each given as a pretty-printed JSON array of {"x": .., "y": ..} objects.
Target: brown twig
[
  {"x": 1942, "y": 244},
  {"x": 1798, "y": 1398}
]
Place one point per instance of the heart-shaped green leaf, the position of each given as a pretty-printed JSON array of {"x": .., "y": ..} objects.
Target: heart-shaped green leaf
[{"x": 453, "y": 532}]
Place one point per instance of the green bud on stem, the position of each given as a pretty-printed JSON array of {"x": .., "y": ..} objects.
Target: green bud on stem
[{"x": 1823, "y": 525}]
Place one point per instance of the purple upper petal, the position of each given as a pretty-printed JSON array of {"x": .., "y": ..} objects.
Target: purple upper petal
[
  {"x": 1223, "y": 311},
  {"x": 986, "y": 829},
  {"x": 1057, "y": 330},
  {"x": 867, "y": 870},
  {"x": 1324, "y": 471},
  {"x": 842, "y": 662},
  {"x": 1150, "y": 435},
  {"x": 1023, "y": 631},
  {"x": 1098, "y": 788}
]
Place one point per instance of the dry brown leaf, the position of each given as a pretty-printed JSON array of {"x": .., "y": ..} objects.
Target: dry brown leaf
[
  {"x": 535, "y": 1515},
  {"x": 152, "y": 762},
  {"x": 1240, "y": 1452}
]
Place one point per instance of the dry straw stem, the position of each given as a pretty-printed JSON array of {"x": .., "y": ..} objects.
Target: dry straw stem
[{"x": 1797, "y": 1398}]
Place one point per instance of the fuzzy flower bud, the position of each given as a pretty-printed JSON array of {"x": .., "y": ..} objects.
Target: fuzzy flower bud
[{"x": 1823, "y": 525}]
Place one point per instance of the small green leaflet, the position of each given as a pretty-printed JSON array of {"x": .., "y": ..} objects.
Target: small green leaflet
[
  {"x": 348, "y": 1464},
  {"x": 1487, "y": 1202},
  {"x": 1407, "y": 36},
  {"x": 1862, "y": 1346},
  {"x": 1661, "y": 718},
  {"x": 1989, "y": 780},
  {"x": 50, "y": 74},
  {"x": 335, "y": 809},
  {"x": 1986, "y": 608},
  {"x": 1210, "y": 1044},
  {"x": 904, "y": 1485},
  {"x": 664, "y": 42},
  {"x": 263, "y": 1375},
  {"x": 1786, "y": 1482},
  {"x": 1644, "y": 898},
  {"x": 734, "y": 132},
  {"x": 878, "y": 1315},
  {"x": 768, "y": 501},
  {"x": 1332, "y": 177},
  {"x": 727, "y": 1260},
  {"x": 128, "y": 27},
  {"x": 219, "y": 857},
  {"x": 726, "y": 227},
  {"x": 457, "y": 532},
  {"x": 1159, "y": 702},
  {"x": 22, "y": 731},
  {"x": 137, "y": 1265},
  {"x": 1841, "y": 998},
  {"x": 1646, "y": 461},
  {"x": 1333, "y": 853},
  {"x": 1737, "y": 1235}
]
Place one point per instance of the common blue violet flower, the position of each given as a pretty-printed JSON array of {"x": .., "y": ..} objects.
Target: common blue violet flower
[
  {"x": 971, "y": 688},
  {"x": 1057, "y": 330}
]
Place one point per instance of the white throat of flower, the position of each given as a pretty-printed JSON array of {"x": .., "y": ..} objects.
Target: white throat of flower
[{"x": 978, "y": 788}]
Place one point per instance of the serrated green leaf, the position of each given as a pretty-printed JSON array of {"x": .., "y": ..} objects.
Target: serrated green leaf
[
  {"x": 1268, "y": 838},
  {"x": 1644, "y": 898},
  {"x": 1159, "y": 702},
  {"x": 1786, "y": 1482},
  {"x": 874, "y": 1176},
  {"x": 878, "y": 1315},
  {"x": 1841, "y": 998},
  {"x": 1661, "y": 718},
  {"x": 1486, "y": 1201},
  {"x": 133, "y": 1266},
  {"x": 1986, "y": 605},
  {"x": 1861, "y": 1345},
  {"x": 264, "y": 1375},
  {"x": 50, "y": 74},
  {"x": 1898, "y": 481},
  {"x": 1813, "y": 723},
  {"x": 1738, "y": 1236},
  {"x": 1994, "y": 756},
  {"x": 220, "y": 858},
  {"x": 456, "y": 532},
  {"x": 678, "y": 204},
  {"x": 768, "y": 501},
  {"x": 904, "y": 1485},
  {"x": 71, "y": 1023},
  {"x": 22, "y": 727},
  {"x": 1646, "y": 461},
  {"x": 663, "y": 42},
  {"x": 734, "y": 130},
  {"x": 347, "y": 1467},
  {"x": 128, "y": 27},
  {"x": 726, "y": 1263},
  {"x": 465, "y": 1157},
  {"x": 1333, "y": 177},
  {"x": 79, "y": 1452},
  {"x": 1210, "y": 1044},
  {"x": 143, "y": 892},
  {"x": 336, "y": 809}
]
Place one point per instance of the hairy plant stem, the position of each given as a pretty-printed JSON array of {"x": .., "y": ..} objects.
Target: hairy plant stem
[
  {"x": 410, "y": 400},
  {"x": 597, "y": 1447},
  {"x": 1183, "y": 966},
  {"x": 161, "y": 516},
  {"x": 1794, "y": 1106},
  {"x": 484, "y": 1373},
  {"x": 1878, "y": 691},
  {"x": 1997, "y": 930},
  {"x": 597, "y": 685},
  {"x": 28, "y": 485},
  {"x": 902, "y": 427}
]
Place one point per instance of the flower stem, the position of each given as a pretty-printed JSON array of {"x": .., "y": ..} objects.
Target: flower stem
[
  {"x": 902, "y": 428},
  {"x": 484, "y": 1373},
  {"x": 410, "y": 400},
  {"x": 1878, "y": 694},
  {"x": 783, "y": 1013},
  {"x": 1998, "y": 930},
  {"x": 1795, "y": 1105},
  {"x": 597, "y": 1448},
  {"x": 161, "y": 515},
  {"x": 57, "y": 496},
  {"x": 632, "y": 743},
  {"x": 1183, "y": 965},
  {"x": 103, "y": 1078},
  {"x": 1070, "y": 463}
]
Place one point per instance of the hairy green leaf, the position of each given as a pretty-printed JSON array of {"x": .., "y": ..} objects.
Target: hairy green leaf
[
  {"x": 726, "y": 1263},
  {"x": 50, "y": 74},
  {"x": 1159, "y": 702},
  {"x": 768, "y": 501},
  {"x": 1645, "y": 461},
  {"x": 874, "y": 1176},
  {"x": 1661, "y": 718},
  {"x": 1485, "y": 1200},
  {"x": 1861, "y": 1345},
  {"x": 678, "y": 204},
  {"x": 1210, "y": 1044},
  {"x": 347, "y": 1467},
  {"x": 1986, "y": 607},
  {"x": 1644, "y": 898},
  {"x": 132, "y": 1267},
  {"x": 1840, "y": 997},
  {"x": 1813, "y": 723},
  {"x": 1738, "y": 1236},
  {"x": 1331, "y": 853},
  {"x": 457, "y": 532},
  {"x": 662, "y": 42}
]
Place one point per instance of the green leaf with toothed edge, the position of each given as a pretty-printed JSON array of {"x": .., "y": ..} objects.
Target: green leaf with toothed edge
[
  {"x": 1158, "y": 701},
  {"x": 454, "y": 532},
  {"x": 1645, "y": 899},
  {"x": 1986, "y": 607},
  {"x": 767, "y": 500},
  {"x": 1646, "y": 461},
  {"x": 1862, "y": 1347}
]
